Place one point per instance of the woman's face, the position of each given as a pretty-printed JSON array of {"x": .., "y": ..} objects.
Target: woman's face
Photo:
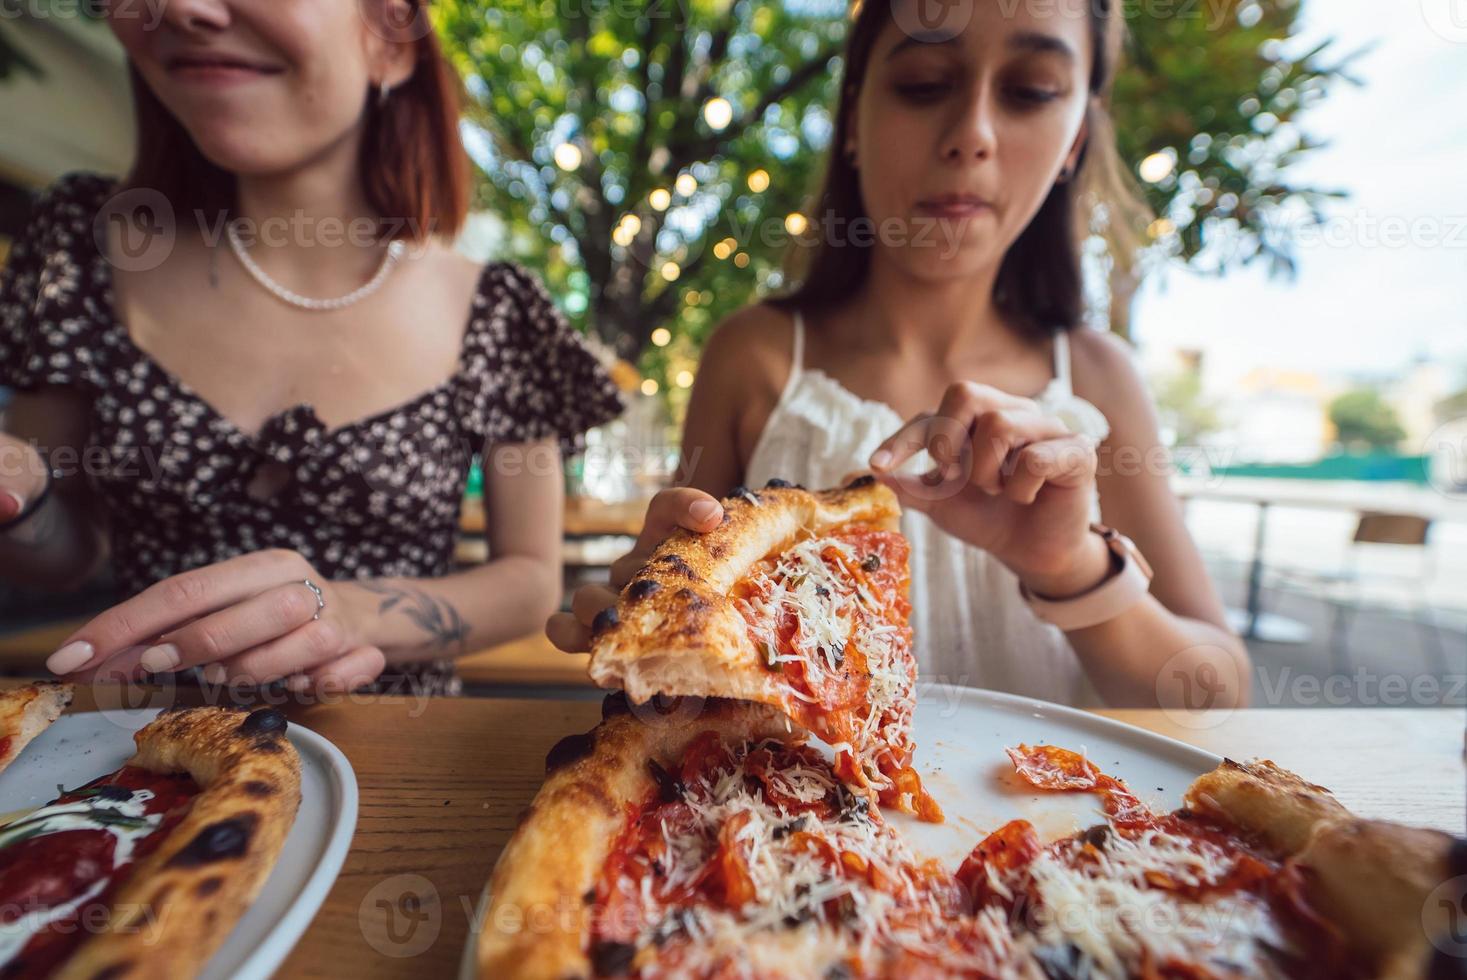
[
  {"x": 959, "y": 139},
  {"x": 262, "y": 86}
]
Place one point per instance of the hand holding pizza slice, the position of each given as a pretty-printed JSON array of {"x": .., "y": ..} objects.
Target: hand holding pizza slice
[{"x": 798, "y": 599}]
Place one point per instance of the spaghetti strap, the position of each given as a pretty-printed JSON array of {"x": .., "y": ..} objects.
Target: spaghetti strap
[
  {"x": 1062, "y": 361},
  {"x": 797, "y": 350}
]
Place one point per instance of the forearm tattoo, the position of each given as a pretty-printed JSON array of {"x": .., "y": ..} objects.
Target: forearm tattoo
[{"x": 446, "y": 630}]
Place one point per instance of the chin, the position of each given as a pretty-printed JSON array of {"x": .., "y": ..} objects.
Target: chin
[
  {"x": 244, "y": 151},
  {"x": 944, "y": 263}
]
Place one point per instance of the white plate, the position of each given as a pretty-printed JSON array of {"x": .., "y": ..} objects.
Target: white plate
[
  {"x": 78, "y": 748},
  {"x": 961, "y": 736}
]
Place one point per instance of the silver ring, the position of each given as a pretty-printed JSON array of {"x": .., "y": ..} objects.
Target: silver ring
[{"x": 320, "y": 597}]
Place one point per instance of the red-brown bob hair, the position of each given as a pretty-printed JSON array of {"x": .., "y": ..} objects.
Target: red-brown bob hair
[{"x": 414, "y": 169}]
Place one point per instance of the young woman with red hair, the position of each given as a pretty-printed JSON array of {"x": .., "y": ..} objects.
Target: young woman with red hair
[{"x": 256, "y": 371}]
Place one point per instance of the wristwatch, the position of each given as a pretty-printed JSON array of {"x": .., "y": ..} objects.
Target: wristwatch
[{"x": 1128, "y": 582}]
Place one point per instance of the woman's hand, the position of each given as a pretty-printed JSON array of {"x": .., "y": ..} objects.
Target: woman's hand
[
  {"x": 1006, "y": 478},
  {"x": 22, "y": 477},
  {"x": 250, "y": 619},
  {"x": 669, "y": 510}
]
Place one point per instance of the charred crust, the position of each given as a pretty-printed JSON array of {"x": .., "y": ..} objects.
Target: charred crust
[
  {"x": 220, "y": 840},
  {"x": 259, "y": 788},
  {"x": 265, "y": 721},
  {"x": 692, "y": 599},
  {"x": 739, "y": 492},
  {"x": 676, "y": 564},
  {"x": 113, "y": 971},
  {"x": 643, "y": 588},
  {"x": 776, "y": 483},
  {"x": 861, "y": 481},
  {"x": 1457, "y": 857},
  {"x": 605, "y": 620},
  {"x": 615, "y": 704},
  {"x": 568, "y": 750},
  {"x": 208, "y": 886},
  {"x": 267, "y": 745}
]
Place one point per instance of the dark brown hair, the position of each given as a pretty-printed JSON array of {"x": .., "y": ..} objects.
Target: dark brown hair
[
  {"x": 1039, "y": 283},
  {"x": 414, "y": 170}
]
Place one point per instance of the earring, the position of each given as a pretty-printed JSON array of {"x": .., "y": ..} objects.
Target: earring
[
  {"x": 1066, "y": 175},
  {"x": 383, "y": 90}
]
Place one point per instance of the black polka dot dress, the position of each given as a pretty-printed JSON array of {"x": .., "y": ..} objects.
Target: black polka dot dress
[{"x": 182, "y": 487}]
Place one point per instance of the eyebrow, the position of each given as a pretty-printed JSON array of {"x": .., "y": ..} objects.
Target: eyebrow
[{"x": 1033, "y": 41}]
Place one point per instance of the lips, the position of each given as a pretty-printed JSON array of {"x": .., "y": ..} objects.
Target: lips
[
  {"x": 219, "y": 65},
  {"x": 957, "y": 205}
]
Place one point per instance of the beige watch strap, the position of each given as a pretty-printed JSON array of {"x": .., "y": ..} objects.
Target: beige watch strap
[{"x": 1107, "y": 600}]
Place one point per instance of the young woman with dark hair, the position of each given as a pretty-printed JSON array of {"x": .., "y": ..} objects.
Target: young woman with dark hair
[
  {"x": 944, "y": 288},
  {"x": 262, "y": 386}
]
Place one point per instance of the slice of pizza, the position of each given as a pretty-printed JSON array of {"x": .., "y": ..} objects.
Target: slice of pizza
[
  {"x": 26, "y": 712},
  {"x": 713, "y": 844},
  {"x": 143, "y": 872},
  {"x": 1260, "y": 874},
  {"x": 797, "y": 600}
]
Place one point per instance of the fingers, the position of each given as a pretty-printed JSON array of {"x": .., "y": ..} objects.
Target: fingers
[
  {"x": 314, "y": 643},
  {"x": 259, "y": 620},
  {"x": 567, "y": 633},
  {"x": 671, "y": 509},
  {"x": 1068, "y": 462},
  {"x": 355, "y": 669},
  {"x": 163, "y": 606},
  {"x": 997, "y": 434},
  {"x": 571, "y": 631}
]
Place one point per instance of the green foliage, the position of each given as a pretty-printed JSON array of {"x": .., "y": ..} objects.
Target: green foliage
[
  {"x": 626, "y": 81},
  {"x": 1186, "y": 413},
  {"x": 1363, "y": 419},
  {"x": 1218, "y": 86}
]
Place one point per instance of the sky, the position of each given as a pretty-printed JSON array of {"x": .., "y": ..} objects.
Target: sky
[{"x": 1357, "y": 306}]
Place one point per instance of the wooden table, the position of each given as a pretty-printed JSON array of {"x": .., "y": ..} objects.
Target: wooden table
[
  {"x": 583, "y": 516},
  {"x": 443, "y": 781}
]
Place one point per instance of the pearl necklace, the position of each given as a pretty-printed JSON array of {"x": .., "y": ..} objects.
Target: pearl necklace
[{"x": 395, "y": 252}]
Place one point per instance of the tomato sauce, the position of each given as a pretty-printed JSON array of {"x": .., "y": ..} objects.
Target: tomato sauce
[{"x": 51, "y": 869}]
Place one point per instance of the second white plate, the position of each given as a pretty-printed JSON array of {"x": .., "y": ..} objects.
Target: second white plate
[{"x": 78, "y": 748}]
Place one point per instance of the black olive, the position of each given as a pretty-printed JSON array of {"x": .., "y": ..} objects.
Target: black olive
[
  {"x": 669, "y": 786},
  {"x": 738, "y": 491},
  {"x": 822, "y": 592},
  {"x": 1097, "y": 836},
  {"x": 871, "y": 563},
  {"x": 612, "y": 959}
]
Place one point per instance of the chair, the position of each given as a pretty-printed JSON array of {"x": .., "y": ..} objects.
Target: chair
[{"x": 1364, "y": 580}]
